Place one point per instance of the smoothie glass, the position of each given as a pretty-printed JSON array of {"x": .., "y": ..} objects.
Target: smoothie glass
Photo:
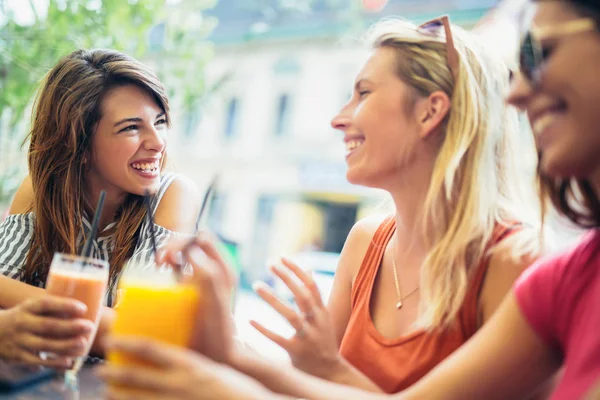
[{"x": 84, "y": 279}]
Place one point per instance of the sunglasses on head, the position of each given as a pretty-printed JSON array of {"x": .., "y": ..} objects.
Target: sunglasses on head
[
  {"x": 532, "y": 54},
  {"x": 433, "y": 26}
]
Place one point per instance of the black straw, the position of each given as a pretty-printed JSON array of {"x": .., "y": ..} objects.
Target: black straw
[
  {"x": 87, "y": 249},
  {"x": 207, "y": 195},
  {"x": 205, "y": 200},
  {"x": 150, "y": 222}
]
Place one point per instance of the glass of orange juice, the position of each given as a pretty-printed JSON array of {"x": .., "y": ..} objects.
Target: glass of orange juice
[
  {"x": 83, "y": 279},
  {"x": 153, "y": 304}
]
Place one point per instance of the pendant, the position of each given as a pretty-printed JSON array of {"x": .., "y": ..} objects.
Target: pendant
[{"x": 399, "y": 305}]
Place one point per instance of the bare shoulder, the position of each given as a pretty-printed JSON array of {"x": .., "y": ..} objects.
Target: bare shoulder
[
  {"x": 504, "y": 269},
  {"x": 504, "y": 265},
  {"x": 179, "y": 205},
  {"x": 368, "y": 225},
  {"x": 362, "y": 233},
  {"x": 358, "y": 242},
  {"x": 23, "y": 200},
  {"x": 514, "y": 254}
]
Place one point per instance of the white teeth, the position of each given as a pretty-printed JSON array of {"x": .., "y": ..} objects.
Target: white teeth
[
  {"x": 542, "y": 123},
  {"x": 353, "y": 144},
  {"x": 146, "y": 167}
]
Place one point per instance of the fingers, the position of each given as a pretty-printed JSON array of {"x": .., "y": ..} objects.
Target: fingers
[
  {"x": 213, "y": 330},
  {"x": 114, "y": 393},
  {"x": 171, "y": 253},
  {"x": 55, "y": 328},
  {"x": 169, "y": 372},
  {"x": 206, "y": 243},
  {"x": 134, "y": 380},
  {"x": 197, "y": 251},
  {"x": 56, "y": 306},
  {"x": 283, "y": 309},
  {"x": 303, "y": 297},
  {"x": 214, "y": 317},
  {"x": 146, "y": 350},
  {"x": 35, "y": 344},
  {"x": 305, "y": 278},
  {"x": 55, "y": 362},
  {"x": 272, "y": 336}
]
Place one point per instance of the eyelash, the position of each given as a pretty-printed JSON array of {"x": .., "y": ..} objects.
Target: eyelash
[
  {"x": 136, "y": 127},
  {"x": 129, "y": 128},
  {"x": 362, "y": 93}
]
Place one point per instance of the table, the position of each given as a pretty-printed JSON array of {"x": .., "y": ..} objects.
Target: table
[{"x": 89, "y": 388}]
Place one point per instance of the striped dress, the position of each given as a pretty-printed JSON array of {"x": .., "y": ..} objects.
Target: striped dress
[{"x": 16, "y": 233}]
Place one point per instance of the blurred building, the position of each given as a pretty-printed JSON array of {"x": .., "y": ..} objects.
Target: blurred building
[{"x": 286, "y": 70}]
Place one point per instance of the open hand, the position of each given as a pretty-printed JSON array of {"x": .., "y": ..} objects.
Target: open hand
[{"x": 313, "y": 348}]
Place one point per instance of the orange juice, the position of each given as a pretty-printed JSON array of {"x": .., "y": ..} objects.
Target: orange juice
[{"x": 165, "y": 313}]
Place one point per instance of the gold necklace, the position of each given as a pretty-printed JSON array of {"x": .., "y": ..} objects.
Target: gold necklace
[{"x": 398, "y": 291}]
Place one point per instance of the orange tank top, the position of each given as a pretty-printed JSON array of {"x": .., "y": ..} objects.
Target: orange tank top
[{"x": 395, "y": 364}]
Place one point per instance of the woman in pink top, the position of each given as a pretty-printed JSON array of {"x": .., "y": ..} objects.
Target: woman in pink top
[{"x": 550, "y": 320}]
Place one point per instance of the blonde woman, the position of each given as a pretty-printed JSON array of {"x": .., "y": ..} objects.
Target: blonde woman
[{"x": 427, "y": 123}]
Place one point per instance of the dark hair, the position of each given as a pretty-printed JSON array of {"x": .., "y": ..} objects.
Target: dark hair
[
  {"x": 574, "y": 198},
  {"x": 67, "y": 109},
  {"x": 588, "y": 8},
  {"x": 592, "y": 5}
]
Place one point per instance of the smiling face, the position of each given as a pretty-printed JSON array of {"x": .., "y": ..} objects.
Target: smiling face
[
  {"x": 563, "y": 105},
  {"x": 128, "y": 144},
  {"x": 378, "y": 124}
]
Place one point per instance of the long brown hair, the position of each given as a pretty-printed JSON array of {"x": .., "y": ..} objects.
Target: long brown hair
[{"x": 66, "y": 113}]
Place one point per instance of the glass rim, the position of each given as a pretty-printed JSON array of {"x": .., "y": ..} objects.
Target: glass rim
[
  {"x": 139, "y": 272},
  {"x": 82, "y": 259}
]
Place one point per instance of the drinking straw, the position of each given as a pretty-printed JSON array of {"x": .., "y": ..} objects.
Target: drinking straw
[
  {"x": 87, "y": 249},
  {"x": 207, "y": 196},
  {"x": 150, "y": 222}
]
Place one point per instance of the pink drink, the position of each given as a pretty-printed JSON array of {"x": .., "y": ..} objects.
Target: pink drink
[
  {"x": 88, "y": 290},
  {"x": 83, "y": 279}
]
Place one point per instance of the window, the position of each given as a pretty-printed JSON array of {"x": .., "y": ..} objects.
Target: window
[
  {"x": 283, "y": 115},
  {"x": 216, "y": 212},
  {"x": 232, "y": 116},
  {"x": 191, "y": 121}
]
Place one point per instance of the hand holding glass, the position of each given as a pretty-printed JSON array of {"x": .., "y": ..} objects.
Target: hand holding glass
[{"x": 84, "y": 279}]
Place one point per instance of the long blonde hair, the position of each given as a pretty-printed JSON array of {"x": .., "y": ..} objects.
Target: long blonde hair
[{"x": 476, "y": 182}]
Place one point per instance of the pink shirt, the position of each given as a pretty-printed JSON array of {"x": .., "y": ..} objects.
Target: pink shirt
[{"x": 560, "y": 297}]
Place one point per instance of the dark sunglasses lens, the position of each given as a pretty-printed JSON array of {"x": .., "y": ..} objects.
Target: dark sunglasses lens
[
  {"x": 432, "y": 25},
  {"x": 527, "y": 58}
]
